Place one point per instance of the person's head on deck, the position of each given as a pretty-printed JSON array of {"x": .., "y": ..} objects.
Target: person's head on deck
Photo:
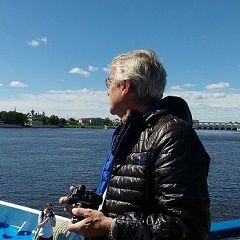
[
  {"x": 48, "y": 206},
  {"x": 137, "y": 80}
]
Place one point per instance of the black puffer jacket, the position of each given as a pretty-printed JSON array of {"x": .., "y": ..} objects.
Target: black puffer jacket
[{"x": 158, "y": 187}]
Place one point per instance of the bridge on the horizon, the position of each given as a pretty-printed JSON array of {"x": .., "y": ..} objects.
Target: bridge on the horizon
[{"x": 232, "y": 126}]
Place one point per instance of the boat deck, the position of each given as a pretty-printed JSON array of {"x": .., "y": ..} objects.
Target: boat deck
[
  {"x": 12, "y": 232},
  {"x": 18, "y": 222}
]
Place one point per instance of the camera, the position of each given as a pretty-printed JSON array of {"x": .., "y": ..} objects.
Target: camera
[{"x": 84, "y": 198}]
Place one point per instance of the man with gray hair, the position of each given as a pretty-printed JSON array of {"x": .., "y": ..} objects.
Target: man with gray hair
[{"x": 154, "y": 181}]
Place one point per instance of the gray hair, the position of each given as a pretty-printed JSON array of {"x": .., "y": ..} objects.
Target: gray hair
[{"x": 145, "y": 72}]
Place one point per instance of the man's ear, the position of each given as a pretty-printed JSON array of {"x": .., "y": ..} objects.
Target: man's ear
[{"x": 126, "y": 88}]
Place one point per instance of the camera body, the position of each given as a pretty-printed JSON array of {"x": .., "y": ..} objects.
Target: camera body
[{"x": 85, "y": 199}]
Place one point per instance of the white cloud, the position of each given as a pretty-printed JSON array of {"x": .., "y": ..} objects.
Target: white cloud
[
  {"x": 79, "y": 71},
  {"x": 86, "y": 73},
  {"x": 219, "y": 95},
  {"x": 106, "y": 69},
  {"x": 1, "y": 84},
  {"x": 37, "y": 42},
  {"x": 34, "y": 43},
  {"x": 217, "y": 85},
  {"x": 72, "y": 103},
  {"x": 92, "y": 69},
  {"x": 196, "y": 95},
  {"x": 205, "y": 112},
  {"x": 181, "y": 87},
  {"x": 206, "y": 106},
  {"x": 17, "y": 84},
  {"x": 176, "y": 88},
  {"x": 43, "y": 39},
  {"x": 188, "y": 85}
]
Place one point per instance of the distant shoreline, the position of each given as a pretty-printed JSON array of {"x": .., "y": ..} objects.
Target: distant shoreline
[
  {"x": 19, "y": 126},
  {"x": 95, "y": 127},
  {"x": 56, "y": 126}
]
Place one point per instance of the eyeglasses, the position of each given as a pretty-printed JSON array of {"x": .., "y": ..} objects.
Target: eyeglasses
[{"x": 108, "y": 82}]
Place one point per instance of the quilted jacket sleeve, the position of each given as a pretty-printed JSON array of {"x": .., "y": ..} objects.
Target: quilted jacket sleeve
[{"x": 180, "y": 202}]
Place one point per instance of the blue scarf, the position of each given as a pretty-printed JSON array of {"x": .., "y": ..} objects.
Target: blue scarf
[{"x": 108, "y": 165}]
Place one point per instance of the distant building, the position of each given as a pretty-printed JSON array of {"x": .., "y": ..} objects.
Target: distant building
[
  {"x": 92, "y": 121},
  {"x": 35, "y": 119}
]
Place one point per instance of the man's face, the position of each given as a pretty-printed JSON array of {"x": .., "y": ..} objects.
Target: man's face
[{"x": 116, "y": 97}]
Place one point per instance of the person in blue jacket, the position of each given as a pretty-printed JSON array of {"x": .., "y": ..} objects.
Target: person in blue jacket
[{"x": 154, "y": 181}]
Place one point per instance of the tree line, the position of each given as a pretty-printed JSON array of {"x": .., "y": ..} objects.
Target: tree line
[{"x": 18, "y": 118}]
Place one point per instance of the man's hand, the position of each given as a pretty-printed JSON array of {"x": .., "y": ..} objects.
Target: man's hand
[
  {"x": 94, "y": 223},
  {"x": 43, "y": 222},
  {"x": 64, "y": 201}
]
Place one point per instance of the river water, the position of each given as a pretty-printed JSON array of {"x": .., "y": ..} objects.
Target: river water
[{"x": 39, "y": 165}]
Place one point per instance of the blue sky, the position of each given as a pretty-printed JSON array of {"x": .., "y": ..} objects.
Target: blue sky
[{"x": 54, "y": 54}]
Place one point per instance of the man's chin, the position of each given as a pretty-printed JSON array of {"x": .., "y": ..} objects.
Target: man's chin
[
  {"x": 114, "y": 112},
  {"x": 111, "y": 110}
]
